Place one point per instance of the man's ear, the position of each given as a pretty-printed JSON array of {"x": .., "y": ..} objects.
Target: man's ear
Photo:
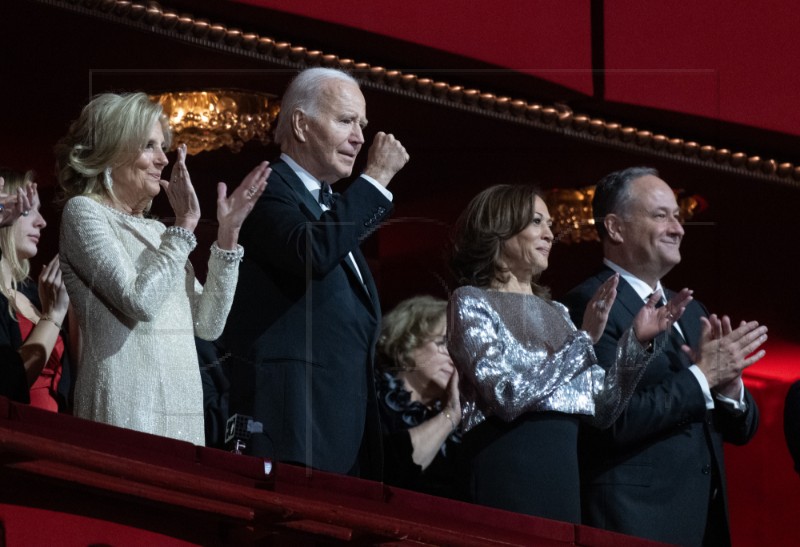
[
  {"x": 615, "y": 227},
  {"x": 299, "y": 125}
]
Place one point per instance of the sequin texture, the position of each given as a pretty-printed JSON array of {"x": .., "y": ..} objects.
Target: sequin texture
[
  {"x": 518, "y": 353},
  {"x": 138, "y": 305}
]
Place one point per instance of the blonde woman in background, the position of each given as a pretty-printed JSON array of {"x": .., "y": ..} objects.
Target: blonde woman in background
[{"x": 31, "y": 318}]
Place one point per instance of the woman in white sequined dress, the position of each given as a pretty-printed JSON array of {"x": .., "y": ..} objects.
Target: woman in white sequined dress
[
  {"x": 528, "y": 376},
  {"x": 129, "y": 278}
]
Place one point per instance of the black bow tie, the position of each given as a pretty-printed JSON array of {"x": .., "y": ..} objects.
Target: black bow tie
[{"x": 326, "y": 195}]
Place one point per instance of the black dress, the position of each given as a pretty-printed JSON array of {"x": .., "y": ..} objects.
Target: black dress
[{"x": 399, "y": 414}]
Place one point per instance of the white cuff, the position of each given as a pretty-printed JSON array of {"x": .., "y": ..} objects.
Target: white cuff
[
  {"x": 701, "y": 379},
  {"x": 386, "y": 193},
  {"x": 736, "y": 405}
]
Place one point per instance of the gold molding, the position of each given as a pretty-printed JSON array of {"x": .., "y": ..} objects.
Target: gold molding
[{"x": 552, "y": 118}]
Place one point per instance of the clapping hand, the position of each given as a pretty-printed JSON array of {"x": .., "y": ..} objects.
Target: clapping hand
[
  {"x": 181, "y": 194},
  {"x": 451, "y": 402},
  {"x": 233, "y": 210},
  {"x": 650, "y": 321},
  {"x": 12, "y": 206},
  {"x": 725, "y": 352},
  {"x": 596, "y": 315},
  {"x": 53, "y": 291}
]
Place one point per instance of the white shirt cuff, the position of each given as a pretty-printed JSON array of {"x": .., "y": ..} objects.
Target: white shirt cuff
[
  {"x": 701, "y": 379},
  {"x": 386, "y": 193},
  {"x": 736, "y": 405}
]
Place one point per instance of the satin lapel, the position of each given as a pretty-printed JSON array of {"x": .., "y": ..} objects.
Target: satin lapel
[
  {"x": 690, "y": 323},
  {"x": 367, "y": 289},
  {"x": 628, "y": 298},
  {"x": 298, "y": 187}
]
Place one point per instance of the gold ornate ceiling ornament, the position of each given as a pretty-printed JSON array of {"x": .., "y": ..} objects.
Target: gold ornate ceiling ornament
[
  {"x": 573, "y": 219},
  {"x": 571, "y": 211},
  {"x": 210, "y": 119},
  {"x": 151, "y": 17}
]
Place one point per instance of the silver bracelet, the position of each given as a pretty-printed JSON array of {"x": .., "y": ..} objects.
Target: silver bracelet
[
  {"x": 234, "y": 255},
  {"x": 183, "y": 234},
  {"x": 446, "y": 414}
]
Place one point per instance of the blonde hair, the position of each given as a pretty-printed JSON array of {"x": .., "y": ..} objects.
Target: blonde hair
[
  {"x": 408, "y": 326},
  {"x": 19, "y": 268},
  {"x": 111, "y": 131}
]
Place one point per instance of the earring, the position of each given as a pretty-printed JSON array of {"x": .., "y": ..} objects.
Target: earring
[{"x": 108, "y": 182}]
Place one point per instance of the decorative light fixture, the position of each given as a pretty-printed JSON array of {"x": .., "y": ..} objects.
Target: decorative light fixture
[
  {"x": 208, "y": 120},
  {"x": 573, "y": 221},
  {"x": 571, "y": 211}
]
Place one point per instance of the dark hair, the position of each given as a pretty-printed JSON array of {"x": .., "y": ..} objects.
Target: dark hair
[
  {"x": 408, "y": 326},
  {"x": 612, "y": 194},
  {"x": 492, "y": 217}
]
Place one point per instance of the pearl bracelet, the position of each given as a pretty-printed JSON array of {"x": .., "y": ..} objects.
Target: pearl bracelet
[
  {"x": 183, "y": 234},
  {"x": 234, "y": 255}
]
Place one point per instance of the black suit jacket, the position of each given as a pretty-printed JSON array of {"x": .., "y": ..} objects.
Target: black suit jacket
[
  {"x": 653, "y": 472},
  {"x": 303, "y": 327}
]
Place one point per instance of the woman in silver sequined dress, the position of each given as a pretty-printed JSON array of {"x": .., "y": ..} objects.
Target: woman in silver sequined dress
[
  {"x": 133, "y": 289},
  {"x": 528, "y": 376}
]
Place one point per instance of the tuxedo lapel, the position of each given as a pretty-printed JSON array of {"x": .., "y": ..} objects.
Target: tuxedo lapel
[
  {"x": 691, "y": 326},
  {"x": 367, "y": 289},
  {"x": 364, "y": 290},
  {"x": 627, "y": 297},
  {"x": 298, "y": 188}
]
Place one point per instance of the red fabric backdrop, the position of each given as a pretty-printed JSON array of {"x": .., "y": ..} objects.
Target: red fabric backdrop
[
  {"x": 737, "y": 62},
  {"x": 764, "y": 488}
]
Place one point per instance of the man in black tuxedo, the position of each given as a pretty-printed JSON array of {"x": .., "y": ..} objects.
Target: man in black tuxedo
[
  {"x": 658, "y": 472},
  {"x": 306, "y": 316}
]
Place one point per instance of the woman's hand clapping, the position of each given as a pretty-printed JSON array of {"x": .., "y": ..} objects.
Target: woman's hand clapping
[
  {"x": 650, "y": 321},
  {"x": 596, "y": 315},
  {"x": 181, "y": 194},
  {"x": 452, "y": 400},
  {"x": 233, "y": 210},
  {"x": 53, "y": 292}
]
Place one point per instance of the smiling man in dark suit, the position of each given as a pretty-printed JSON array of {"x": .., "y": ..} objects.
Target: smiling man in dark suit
[
  {"x": 306, "y": 315},
  {"x": 658, "y": 472}
]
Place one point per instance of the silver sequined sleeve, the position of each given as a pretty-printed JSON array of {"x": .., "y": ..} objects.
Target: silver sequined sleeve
[
  {"x": 211, "y": 304},
  {"x": 613, "y": 388},
  {"x": 519, "y": 353},
  {"x": 505, "y": 375}
]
